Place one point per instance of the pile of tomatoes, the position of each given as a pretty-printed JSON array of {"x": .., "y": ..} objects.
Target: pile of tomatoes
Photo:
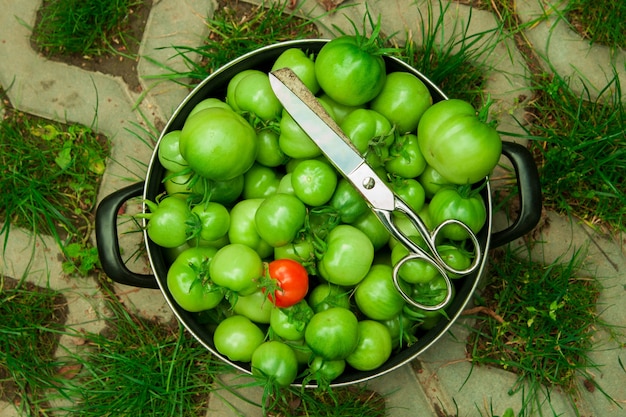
[{"x": 264, "y": 235}]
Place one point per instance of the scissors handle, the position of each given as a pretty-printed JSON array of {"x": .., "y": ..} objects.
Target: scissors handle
[
  {"x": 431, "y": 256},
  {"x": 430, "y": 239}
]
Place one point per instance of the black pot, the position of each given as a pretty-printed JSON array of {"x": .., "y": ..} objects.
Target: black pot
[{"x": 215, "y": 86}]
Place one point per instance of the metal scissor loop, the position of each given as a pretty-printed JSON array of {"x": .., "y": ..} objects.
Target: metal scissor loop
[{"x": 431, "y": 256}]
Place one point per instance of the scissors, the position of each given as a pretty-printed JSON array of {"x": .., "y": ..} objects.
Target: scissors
[{"x": 307, "y": 111}]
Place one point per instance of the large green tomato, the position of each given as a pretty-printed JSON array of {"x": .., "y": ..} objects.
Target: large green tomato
[
  {"x": 348, "y": 72},
  {"x": 275, "y": 361},
  {"x": 376, "y": 296},
  {"x": 403, "y": 100},
  {"x": 189, "y": 283},
  {"x": 463, "y": 149},
  {"x": 373, "y": 348},
  {"x": 218, "y": 144},
  {"x": 374, "y": 229},
  {"x": 332, "y": 334},
  {"x": 237, "y": 338},
  {"x": 348, "y": 257}
]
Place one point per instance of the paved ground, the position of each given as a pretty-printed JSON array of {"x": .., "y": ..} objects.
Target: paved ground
[{"x": 446, "y": 382}]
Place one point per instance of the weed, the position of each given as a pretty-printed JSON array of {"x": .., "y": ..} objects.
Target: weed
[
  {"x": 455, "y": 61},
  {"x": 236, "y": 29},
  {"x": 602, "y": 22},
  {"x": 541, "y": 323},
  {"x": 89, "y": 27},
  {"x": 53, "y": 171},
  {"x": 581, "y": 148},
  {"x": 139, "y": 367},
  {"x": 32, "y": 319}
]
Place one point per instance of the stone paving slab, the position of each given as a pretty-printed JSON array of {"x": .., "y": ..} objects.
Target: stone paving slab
[{"x": 441, "y": 381}]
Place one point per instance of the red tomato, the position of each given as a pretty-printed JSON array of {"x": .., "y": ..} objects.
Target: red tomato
[{"x": 292, "y": 281}]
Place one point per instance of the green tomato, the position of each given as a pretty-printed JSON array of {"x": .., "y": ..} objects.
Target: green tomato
[
  {"x": 376, "y": 296},
  {"x": 275, "y": 361},
  {"x": 188, "y": 280},
  {"x": 403, "y": 99},
  {"x": 301, "y": 64},
  {"x": 214, "y": 219},
  {"x": 432, "y": 181},
  {"x": 348, "y": 73},
  {"x": 236, "y": 267},
  {"x": 279, "y": 218},
  {"x": 411, "y": 192},
  {"x": 325, "y": 296},
  {"x": 371, "y": 134},
  {"x": 340, "y": 111},
  {"x": 168, "y": 222},
  {"x": 348, "y": 257},
  {"x": 405, "y": 158},
  {"x": 237, "y": 338},
  {"x": 290, "y": 323},
  {"x": 374, "y": 229},
  {"x": 253, "y": 93},
  {"x": 254, "y": 306},
  {"x": 260, "y": 182},
  {"x": 243, "y": 227},
  {"x": 462, "y": 148},
  {"x": 269, "y": 152},
  {"x": 314, "y": 182},
  {"x": 180, "y": 185},
  {"x": 449, "y": 203},
  {"x": 232, "y": 86},
  {"x": 415, "y": 271},
  {"x": 168, "y": 152},
  {"x": 373, "y": 347},
  {"x": 208, "y": 103},
  {"x": 348, "y": 202},
  {"x": 300, "y": 250},
  {"x": 332, "y": 334},
  {"x": 224, "y": 192},
  {"x": 325, "y": 371},
  {"x": 218, "y": 144}
]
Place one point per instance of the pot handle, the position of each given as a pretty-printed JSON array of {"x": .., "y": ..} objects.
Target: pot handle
[
  {"x": 529, "y": 194},
  {"x": 108, "y": 242}
]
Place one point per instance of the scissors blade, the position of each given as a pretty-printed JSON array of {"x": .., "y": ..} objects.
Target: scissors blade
[{"x": 309, "y": 114}]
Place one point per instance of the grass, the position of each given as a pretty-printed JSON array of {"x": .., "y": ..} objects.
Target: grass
[
  {"x": 456, "y": 65},
  {"x": 53, "y": 170},
  {"x": 602, "y": 22},
  {"x": 540, "y": 324},
  {"x": 138, "y": 367},
  {"x": 32, "y": 320},
  {"x": 88, "y": 27},
  {"x": 236, "y": 29},
  {"x": 581, "y": 149}
]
